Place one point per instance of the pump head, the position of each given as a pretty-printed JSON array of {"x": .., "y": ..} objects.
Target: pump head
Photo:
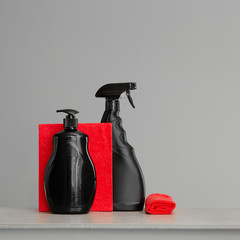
[
  {"x": 112, "y": 91},
  {"x": 70, "y": 122}
]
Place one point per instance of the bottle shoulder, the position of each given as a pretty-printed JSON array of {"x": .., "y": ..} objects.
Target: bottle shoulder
[
  {"x": 66, "y": 133},
  {"x": 111, "y": 116}
]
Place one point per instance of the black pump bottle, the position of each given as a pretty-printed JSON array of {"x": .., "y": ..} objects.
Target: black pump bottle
[
  {"x": 70, "y": 178},
  {"x": 128, "y": 180}
]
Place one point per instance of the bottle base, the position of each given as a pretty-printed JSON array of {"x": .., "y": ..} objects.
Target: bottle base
[
  {"x": 128, "y": 206},
  {"x": 70, "y": 211}
]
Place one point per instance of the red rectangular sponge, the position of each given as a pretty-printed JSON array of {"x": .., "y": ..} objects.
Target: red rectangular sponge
[{"x": 100, "y": 150}]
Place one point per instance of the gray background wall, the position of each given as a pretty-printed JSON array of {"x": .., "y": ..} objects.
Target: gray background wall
[{"x": 185, "y": 58}]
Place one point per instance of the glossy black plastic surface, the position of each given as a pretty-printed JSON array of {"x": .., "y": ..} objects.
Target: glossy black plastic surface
[
  {"x": 128, "y": 180},
  {"x": 70, "y": 178}
]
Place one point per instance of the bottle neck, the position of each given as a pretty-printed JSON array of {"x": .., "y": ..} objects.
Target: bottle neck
[
  {"x": 112, "y": 105},
  {"x": 70, "y": 129}
]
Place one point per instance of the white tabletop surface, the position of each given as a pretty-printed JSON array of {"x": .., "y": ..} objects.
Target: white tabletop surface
[{"x": 17, "y": 218}]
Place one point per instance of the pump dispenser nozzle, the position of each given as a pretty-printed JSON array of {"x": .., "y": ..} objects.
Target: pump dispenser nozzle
[{"x": 70, "y": 122}]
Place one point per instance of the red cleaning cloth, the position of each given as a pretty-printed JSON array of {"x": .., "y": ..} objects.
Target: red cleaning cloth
[
  {"x": 159, "y": 204},
  {"x": 100, "y": 150}
]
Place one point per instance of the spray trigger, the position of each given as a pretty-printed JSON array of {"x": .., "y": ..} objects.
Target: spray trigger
[{"x": 130, "y": 98}]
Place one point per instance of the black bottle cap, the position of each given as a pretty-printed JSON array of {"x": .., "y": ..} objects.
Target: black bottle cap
[
  {"x": 113, "y": 91},
  {"x": 70, "y": 122}
]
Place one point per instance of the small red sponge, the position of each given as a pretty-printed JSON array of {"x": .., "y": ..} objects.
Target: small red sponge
[
  {"x": 100, "y": 151},
  {"x": 159, "y": 204}
]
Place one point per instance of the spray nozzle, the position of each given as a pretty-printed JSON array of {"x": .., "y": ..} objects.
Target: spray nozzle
[
  {"x": 70, "y": 121},
  {"x": 112, "y": 91}
]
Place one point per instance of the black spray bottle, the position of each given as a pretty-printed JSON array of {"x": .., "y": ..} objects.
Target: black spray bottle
[
  {"x": 128, "y": 181},
  {"x": 70, "y": 178}
]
